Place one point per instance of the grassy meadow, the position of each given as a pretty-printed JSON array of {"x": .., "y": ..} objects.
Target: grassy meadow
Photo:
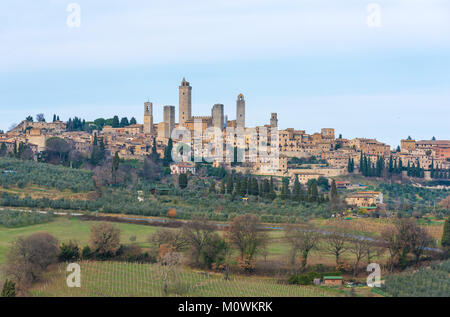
[{"x": 65, "y": 229}]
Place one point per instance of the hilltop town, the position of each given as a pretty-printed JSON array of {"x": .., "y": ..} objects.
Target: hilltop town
[
  {"x": 205, "y": 175},
  {"x": 131, "y": 140}
]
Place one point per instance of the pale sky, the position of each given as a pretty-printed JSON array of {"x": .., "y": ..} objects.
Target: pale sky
[{"x": 316, "y": 63}]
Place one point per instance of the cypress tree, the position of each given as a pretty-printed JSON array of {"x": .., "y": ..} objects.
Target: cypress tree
[
  {"x": 445, "y": 241},
  {"x": 115, "y": 167},
  {"x": 212, "y": 187},
  {"x": 9, "y": 289},
  {"x": 222, "y": 186}
]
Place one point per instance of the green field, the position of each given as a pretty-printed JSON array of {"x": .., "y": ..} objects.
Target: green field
[
  {"x": 66, "y": 229},
  {"x": 129, "y": 279}
]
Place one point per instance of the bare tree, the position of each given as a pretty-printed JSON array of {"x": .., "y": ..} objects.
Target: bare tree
[
  {"x": 168, "y": 260},
  {"x": 302, "y": 240},
  {"x": 40, "y": 117},
  {"x": 198, "y": 233},
  {"x": 413, "y": 238},
  {"x": 359, "y": 246},
  {"x": 336, "y": 239},
  {"x": 419, "y": 241},
  {"x": 175, "y": 239},
  {"x": 391, "y": 241},
  {"x": 29, "y": 257},
  {"x": 246, "y": 234},
  {"x": 105, "y": 238}
]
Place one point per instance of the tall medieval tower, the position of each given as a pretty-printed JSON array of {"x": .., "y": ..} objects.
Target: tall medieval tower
[
  {"x": 217, "y": 116},
  {"x": 148, "y": 117},
  {"x": 240, "y": 111},
  {"x": 185, "y": 105},
  {"x": 169, "y": 120},
  {"x": 273, "y": 120}
]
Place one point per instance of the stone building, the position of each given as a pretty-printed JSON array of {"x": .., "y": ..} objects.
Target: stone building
[{"x": 365, "y": 199}]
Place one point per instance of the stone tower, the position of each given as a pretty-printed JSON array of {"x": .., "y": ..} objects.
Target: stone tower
[
  {"x": 240, "y": 111},
  {"x": 185, "y": 105},
  {"x": 273, "y": 120},
  {"x": 217, "y": 116},
  {"x": 169, "y": 120},
  {"x": 148, "y": 117}
]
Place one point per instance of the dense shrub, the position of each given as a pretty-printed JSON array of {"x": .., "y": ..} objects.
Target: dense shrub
[
  {"x": 69, "y": 252},
  {"x": 308, "y": 278}
]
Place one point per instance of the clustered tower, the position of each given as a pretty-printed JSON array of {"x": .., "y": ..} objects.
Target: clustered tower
[
  {"x": 185, "y": 105},
  {"x": 217, "y": 119}
]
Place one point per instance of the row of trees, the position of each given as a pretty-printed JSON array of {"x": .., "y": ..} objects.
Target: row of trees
[
  {"x": 248, "y": 185},
  {"x": 206, "y": 248},
  {"x": 379, "y": 168},
  {"x": 403, "y": 238},
  {"x": 78, "y": 124}
]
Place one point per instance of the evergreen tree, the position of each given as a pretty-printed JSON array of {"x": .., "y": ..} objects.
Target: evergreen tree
[
  {"x": 154, "y": 155},
  {"x": 230, "y": 184},
  {"x": 297, "y": 191},
  {"x": 445, "y": 241},
  {"x": 9, "y": 289},
  {"x": 244, "y": 186},
  {"x": 168, "y": 153},
  {"x": 212, "y": 187},
  {"x": 115, "y": 167},
  {"x": 285, "y": 192},
  {"x": 333, "y": 192},
  {"x": 314, "y": 192},
  {"x": 124, "y": 122},
  {"x": 361, "y": 164},
  {"x": 133, "y": 121},
  {"x": 3, "y": 149},
  {"x": 115, "y": 122},
  {"x": 182, "y": 180},
  {"x": 272, "y": 194},
  {"x": 222, "y": 186}
]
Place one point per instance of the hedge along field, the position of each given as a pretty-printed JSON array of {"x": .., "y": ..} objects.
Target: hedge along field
[
  {"x": 131, "y": 279},
  {"x": 20, "y": 173}
]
